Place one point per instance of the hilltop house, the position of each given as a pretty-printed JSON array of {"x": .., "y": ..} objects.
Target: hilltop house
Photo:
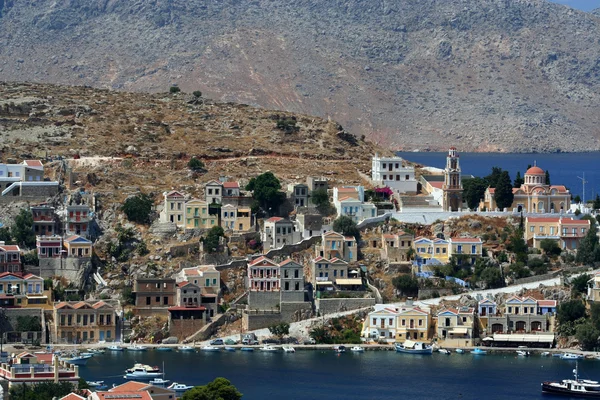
[
  {"x": 10, "y": 258},
  {"x": 394, "y": 173},
  {"x": 45, "y": 221},
  {"x": 566, "y": 232},
  {"x": 350, "y": 201},
  {"x": 79, "y": 218},
  {"x": 197, "y": 215},
  {"x": 153, "y": 296},
  {"x": 174, "y": 208},
  {"x": 396, "y": 246},
  {"x": 278, "y": 232}
]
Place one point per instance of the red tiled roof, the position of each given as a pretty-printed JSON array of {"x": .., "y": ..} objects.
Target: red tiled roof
[
  {"x": 72, "y": 396},
  {"x": 543, "y": 219},
  {"x": 191, "y": 271},
  {"x": 576, "y": 221},
  {"x": 10, "y": 247},
  {"x": 535, "y": 170},
  {"x": 286, "y": 262},
  {"x": 346, "y": 190},
  {"x": 131, "y": 386},
  {"x": 465, "y": 240},
  {"x": 17, "y": 275},
  {"x": 263, "y": 259},
  {"x": 33, "y": 163},
  {"x": 321, "y": 258},
  {"x": 437, "y": 185},
  {"x": 389, "y": 236},
  {"x": 547, "y": 303},
  {"x": 231, "y": 185},
  {"x": 137, "y": 395},
  {"x": 560, "y": 188},
  {"x": 182, "y": 284},
  {"x": 99, "y": 304},
  {"x": 274, "y": 219},
  {"x": 174, "y": 193}
]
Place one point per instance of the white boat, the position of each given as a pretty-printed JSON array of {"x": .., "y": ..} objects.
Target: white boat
[
  {"x": 573, "y": 387},
  {"x": 523, "y": 353},
  {"x": 76, "y": 360},
  {"x": 186, "y": 348},
  {"x": 288, "y": 349},
  {"x": 179, "y": 387},
  {"x": 159, "y": 382},
  {"x": 545, "y": 354},
  {"x": 210, "y": 348},
  {"x": 142, "y": 371},
  {"x": 460, "y": 351},
  {"x": 357, "y": 349},
  {"x": 87, "y": 354},
  {"x": 115, "y": 348},
  {"x": 268, "y": 348},
  {"x": 137, "y": 347},
  {"x": 230, "y": 348},
  {"x": 571, "y": 356},
  {"x": 478, "y": 352},
  {"x": 444, "y": 351},
  {"x": 414, "y": 348},
  {"x": 95, "y": 383},
  {"x": 339, "y": 349}
]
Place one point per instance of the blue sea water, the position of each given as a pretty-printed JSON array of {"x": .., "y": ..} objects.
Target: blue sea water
[
  {"x": 377, "y": 375},
  {"x": 564, "y": 168}
]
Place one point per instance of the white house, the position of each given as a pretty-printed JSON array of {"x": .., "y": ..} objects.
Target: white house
[
  {"x": 349, "y": 201},
  {"x": 278, "y": 232},
  {"x": 394, "y": 173}
]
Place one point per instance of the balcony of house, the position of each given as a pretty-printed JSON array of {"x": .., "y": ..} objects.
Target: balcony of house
[
  {"x": 29, "y": 373},
  {"x": 265, "y": 276},
  {"x": 41, "y": 218}
]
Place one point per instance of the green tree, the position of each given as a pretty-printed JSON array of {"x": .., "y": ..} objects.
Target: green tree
[
  {"x": 492, "y": 277},
  {"x": 518, "y": 180},
  {"x": 595, "y": 314},
  {"x": 219, "y": 389},
  {"x": 127, "y": 295},
  {"x": 577, "y": 199},
  {"x": 41, "y": 391},
  {"x": 195, "y": 165},
  {"x": 22, "y": 229},
  {"x": 280, "y": 330},
  {"x": 550, "y": 247},
  {"x": 265, "y": 189},
  {"x": 579, "y": 284},
  {"x": 518, "y": 270},
  {"x": 518, "y": 246},
  {"x": 596, "y": 204},
  {"x": 473, "y": 191},
  {"x": 406, "y": 284},
  {"x": 493, "y": 178},
  {"x": 212, "y": 239},
  {"x": 570, "y": 311},
  {"x": 346, "y": 226},
  {"x": 587, "y": 334},
  {"x": 174, "y": 89},
  {"x": 26, "y": 323},
  {"x": 197, "y": 93},
  {"x": 320, "y": 199},
  {"x": 503, "y": 194},
  {"x": 5, "y": 235},
  {"x": 589, "y": 248},
  {"x": 548, "y": 178},
  {"x": 138, "y": 208}
]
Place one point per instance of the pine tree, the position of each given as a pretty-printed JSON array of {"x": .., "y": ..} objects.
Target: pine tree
[
  {"x": 589, "y": 249},
  {"x": 503, "y": 195},
  {"x": 548, "y": 178},
  {"x": 518, "y": 180}
]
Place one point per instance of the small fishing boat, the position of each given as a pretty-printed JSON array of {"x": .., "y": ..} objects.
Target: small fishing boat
[
  {"x": 137, "y": 347},
  {"x": 186, "y": 348},
  {"x": 573, "y": 387},
  {"x": 229, "y": 348},
  {"x": 179, "y": 388},
  {"x": 444, "y": 351},
  {"x": 87, "y": 354},
  {"x": 357, "y": 349},
  {"x": 414, "y": 348},
  {"x": 164, "y": 348},
  {"x": 247, "y": 348},
  {"x": 460, "y": 351},
  {"x": 159, "y": 382},
  {"x": 288, "y": 349},
  {"x": 571, "y": 356},
  {"x": 95, "y": 383},
  {"x": 115, "y": 348},
  {"x": 75, "y": 360},
  {"x": 523, "y": 353},
  {"x": 211, "y": 348},
  {"x": 545, "y": 354},
  {"x": 478, "y": 352},
  {"x": 556, "y": 355},
  {"x": 268, "y": 348},
  {"x": 339, "y": 349}
]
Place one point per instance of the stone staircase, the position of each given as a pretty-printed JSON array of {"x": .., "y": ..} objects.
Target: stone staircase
[{"x": 418, "y": 202}]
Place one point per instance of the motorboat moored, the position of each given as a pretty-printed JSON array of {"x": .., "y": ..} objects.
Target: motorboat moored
[
  {"x": 288, "y": 349},
  {"x": 357, "y": 349},
  {"x": 444, "y": 351},
  {"x": 268, "y": 348},
  {"x": 115, "y": 348},
  {"x": 186, "y": 348},
  {"x": 76, "y": 360},
  {"x": 523, "y": 353},
  {"x": 179, "y": 388},
  {"x": 460, "y": 351},
  {"x": 249, "y": 349},
  {"x": 339, "y": 349},
  {"x": 159, "y": 382},
  {"x": 545, "y": 354},
  {"x": 211, "y": 348},
  {"x": 573, "y": 387},
  {"x": 137, "y": 347},
  {"x": 142, "y": 372},
  {"x": 571, "y": 356},
  {"x": 414, "y": 348},
  {"x": 164, "y": 348},
  {"x": 478, "y": 352}
]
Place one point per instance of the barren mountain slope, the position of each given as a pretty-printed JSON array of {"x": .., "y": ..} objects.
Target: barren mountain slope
[
  {"x": 512, "y": 75},
  {"x": 123, "y": 142}
]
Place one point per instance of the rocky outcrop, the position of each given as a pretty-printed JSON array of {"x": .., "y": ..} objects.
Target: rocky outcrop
[{"x": 490, "y": 75}]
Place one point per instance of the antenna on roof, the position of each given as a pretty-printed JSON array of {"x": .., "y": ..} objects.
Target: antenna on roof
[{"x": 583, "y": 182}]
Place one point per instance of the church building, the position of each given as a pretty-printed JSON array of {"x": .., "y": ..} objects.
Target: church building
[
  {"x": 452, "y": 189},
  {"x": 534, "y": 196}
]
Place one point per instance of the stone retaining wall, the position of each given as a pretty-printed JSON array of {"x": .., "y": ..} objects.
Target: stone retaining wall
[{"x": 331, "y": 306}]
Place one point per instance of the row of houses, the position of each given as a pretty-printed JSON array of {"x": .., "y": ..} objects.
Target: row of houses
[{"x": 460, "y": 326}]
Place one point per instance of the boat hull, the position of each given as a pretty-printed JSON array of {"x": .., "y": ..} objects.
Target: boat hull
[
  {"x": 412, "y": 351},
  {"x": 148, "y": 376},
  {"x": 548, "y": 388}
]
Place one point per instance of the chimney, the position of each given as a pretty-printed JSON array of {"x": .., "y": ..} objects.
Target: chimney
[{"x": 409, "y": 301}]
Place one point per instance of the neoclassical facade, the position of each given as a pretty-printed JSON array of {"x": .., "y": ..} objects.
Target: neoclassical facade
[{"x": 534, "y": 196}]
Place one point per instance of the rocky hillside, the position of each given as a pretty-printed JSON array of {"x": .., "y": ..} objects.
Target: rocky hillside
[
  {"x": 132, "y": 141},
  {"x": 488, "y": 75}
]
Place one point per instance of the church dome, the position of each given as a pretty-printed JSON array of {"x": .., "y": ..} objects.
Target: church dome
[{"x": 535, "y": 171}]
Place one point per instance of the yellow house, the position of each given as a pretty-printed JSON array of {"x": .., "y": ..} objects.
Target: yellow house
[
  {"x": 413, "y": 324},
  {"x": 236, "y": 219},
  {"x": 468, "y": 248},
  {"x": 567, "y": 232},
  {"x": 77, "y": 246},
  {"x": 197, "y": 215},
  {"x": 432, "y": 249}
]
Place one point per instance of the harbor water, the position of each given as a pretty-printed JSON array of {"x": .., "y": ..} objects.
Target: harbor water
[{"x": 381, "y": 375}]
